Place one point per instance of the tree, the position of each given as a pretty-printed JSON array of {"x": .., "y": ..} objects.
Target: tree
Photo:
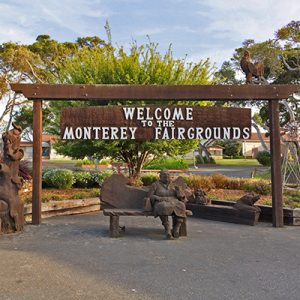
[
  {"x": 91, "y": 60},
  {"x": 142, "y": 65},
  {"x": 281, "y": 58},
  {"x": 39, "y": 62},
  {"x": 232, "y": 148}
]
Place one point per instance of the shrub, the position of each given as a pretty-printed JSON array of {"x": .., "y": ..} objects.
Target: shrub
[
  {"x": 58, "y": 178},
  {"x": 84, "y": 162},
  {"x": 137, "y": 182},
  {"x": 264, "y": 158},
  {"x": 220, "y": 181},
  {"x": 99, "y": 177},
  {"x": 261, "y": 187},
  {"x": 232, "y": 148},
  {"x": 235, "y": 183},
  {"x": 199, "y": 159},
  {"x": 196, "y": 182},
  {"x": 149, "y": 178},
  {"x": 104, "y": 162},
  {"x": 83, "y": 179}
]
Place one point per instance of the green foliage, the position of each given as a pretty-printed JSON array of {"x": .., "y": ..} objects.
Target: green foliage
[
  {"x": 167, "y": 164},
  {"x": 264, "y": 158},
  {"x": 83, "y": 179},
  {"x": 232, "y": 148},
  {"x": 227, "y": 73},
  {"x": 58, "y": 178},
  {"x": 199, "y": 159},
  {"x": 261, "y": 187},
  {"x": 149, "y": 178},
  {"x": 281, "y": 58},
  {"x": 99, "y": 177},
  {"x": 105, "y": 162},
  {"x": 85, "y": 162},
  {"x": 141, "y": 65},
  {"x": 91, "y": 60}
]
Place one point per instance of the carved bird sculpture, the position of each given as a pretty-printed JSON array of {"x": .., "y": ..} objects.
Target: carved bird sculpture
[{"x": 252, "y": 70}]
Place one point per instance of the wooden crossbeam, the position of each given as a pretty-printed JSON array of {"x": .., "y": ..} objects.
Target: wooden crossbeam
[{"x": 154, "y": 92}]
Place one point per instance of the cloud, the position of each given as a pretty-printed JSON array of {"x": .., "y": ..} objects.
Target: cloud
[
  {"x": 239, "y": 20},
  {"x": 149, "y": 31},
  {"x": 21, "y": 21},
  {"x": 198, "y": 28},
  {"x": 217, "y": 55}
]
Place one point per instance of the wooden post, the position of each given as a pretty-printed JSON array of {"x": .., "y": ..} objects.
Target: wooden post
[
  {"x": 37, "y": 163},
  {"x": 277, "y": 207}
]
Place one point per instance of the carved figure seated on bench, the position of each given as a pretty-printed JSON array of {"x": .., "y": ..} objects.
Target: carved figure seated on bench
[
  {"x": 246, "y": 203},
  {"x": 168, "y": 200}
]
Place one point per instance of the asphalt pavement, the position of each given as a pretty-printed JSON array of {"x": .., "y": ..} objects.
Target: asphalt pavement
[{"x": 72, "y": 257}]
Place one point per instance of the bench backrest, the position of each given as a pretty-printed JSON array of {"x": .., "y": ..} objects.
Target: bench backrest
[{"x": 115, "y": 193}]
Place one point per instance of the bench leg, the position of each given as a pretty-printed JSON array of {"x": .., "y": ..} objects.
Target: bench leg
[
  {"x": 114, "y": 226},
  {"x": 183, "y": 230}
]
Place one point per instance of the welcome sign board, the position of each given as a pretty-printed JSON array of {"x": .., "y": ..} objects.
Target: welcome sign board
[{"x": 155, "y": 123}]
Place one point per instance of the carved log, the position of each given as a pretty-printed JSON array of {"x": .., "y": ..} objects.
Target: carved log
[{"x": 11, "y": 206}]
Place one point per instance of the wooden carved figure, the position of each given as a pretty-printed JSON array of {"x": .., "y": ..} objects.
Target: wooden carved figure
[
  {"x": 11, "y": 206},
  {"x": 252, "y": 70}
]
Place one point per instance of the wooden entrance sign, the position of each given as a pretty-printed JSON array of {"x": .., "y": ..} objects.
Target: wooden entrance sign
[
  {"x": 155, "y": 123},
  {"x": 54, "y": 92}
]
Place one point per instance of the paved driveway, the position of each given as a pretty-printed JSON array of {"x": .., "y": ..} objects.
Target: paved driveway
[{"x": 73, "y": 258}]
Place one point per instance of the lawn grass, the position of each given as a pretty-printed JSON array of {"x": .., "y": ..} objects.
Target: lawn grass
[
  {"x": 238, "y": 162},
  {"x": 265, "y": 175}
]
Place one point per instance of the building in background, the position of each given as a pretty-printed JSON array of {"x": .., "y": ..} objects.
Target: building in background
[
  {"x": 251, "y": 147},
  {"x": 48, "y": 152}
]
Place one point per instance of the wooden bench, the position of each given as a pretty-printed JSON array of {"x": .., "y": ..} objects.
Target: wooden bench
[
  {"x": 115, "y": 213},
  {"x": 123, "y": 200}
]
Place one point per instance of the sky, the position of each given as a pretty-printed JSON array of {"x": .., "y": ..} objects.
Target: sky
[{"x": 196, "y": 28}]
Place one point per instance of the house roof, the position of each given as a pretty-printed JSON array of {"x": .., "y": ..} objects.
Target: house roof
[
  {"x": 254, "y": 137},
  {"x": 216, "y": 147},
  {"x": 49, "y": 137}
]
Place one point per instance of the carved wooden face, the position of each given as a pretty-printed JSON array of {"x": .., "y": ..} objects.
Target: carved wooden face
[
  {"x": 247, "y": 54},
  {"x": 164, "y": 177}
]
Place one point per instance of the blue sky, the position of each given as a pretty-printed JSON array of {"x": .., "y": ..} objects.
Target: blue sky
[{"x": 196, "y": 28}]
